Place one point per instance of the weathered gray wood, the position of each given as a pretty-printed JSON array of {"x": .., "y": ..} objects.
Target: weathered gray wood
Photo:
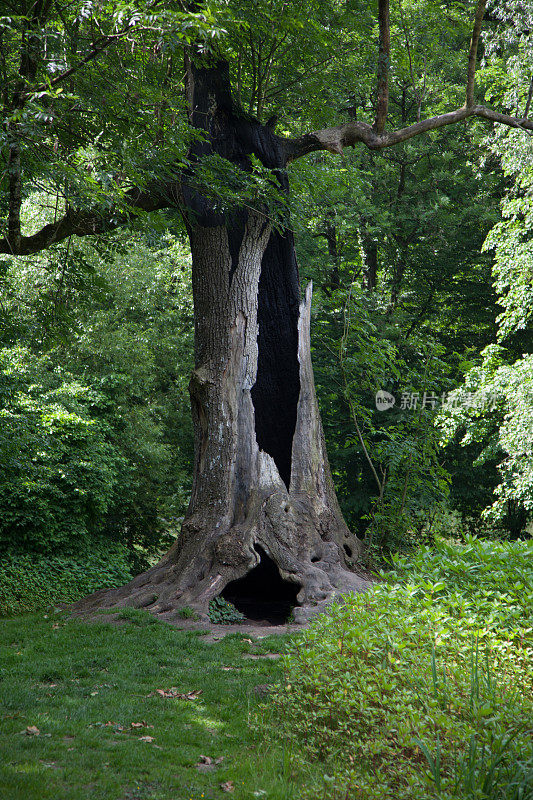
[{"x": 239, "y": 499}]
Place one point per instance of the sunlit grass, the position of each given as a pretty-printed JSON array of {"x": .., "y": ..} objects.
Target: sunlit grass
[{"x": 84, "y": 685}]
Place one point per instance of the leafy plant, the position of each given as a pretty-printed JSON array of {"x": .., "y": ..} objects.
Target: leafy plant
[
  {"x": 222, "y": 612},
  {"x": 32, "y": 581},
  {"x": 390, "y": 689}
]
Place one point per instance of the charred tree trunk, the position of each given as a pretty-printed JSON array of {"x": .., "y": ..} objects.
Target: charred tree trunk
[{"x": 262, "y": 486}]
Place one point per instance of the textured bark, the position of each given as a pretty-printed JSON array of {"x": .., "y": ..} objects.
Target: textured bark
[
  {"x": 240, "y": 503},
  {"x": 262, "y": 482}
]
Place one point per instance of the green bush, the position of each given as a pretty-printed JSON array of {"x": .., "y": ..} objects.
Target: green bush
[
  {"x": 222, "y": 612},
  {"x": 422, "y": 686},
  {"x": 30, "y": 582},
  {"x": 59, "y": 469},
  {"x": 96, "y": 349}
]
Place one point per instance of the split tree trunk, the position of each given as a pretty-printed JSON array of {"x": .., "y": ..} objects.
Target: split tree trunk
[{"x": 262, "y": 481}]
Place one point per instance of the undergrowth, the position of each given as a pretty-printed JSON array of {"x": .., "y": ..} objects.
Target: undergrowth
[
  {"x": 422, "y": 687},
  {"x": 29, "y": 582}
]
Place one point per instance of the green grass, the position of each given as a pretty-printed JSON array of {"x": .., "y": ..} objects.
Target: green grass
[{"x": 83, "y": 685}]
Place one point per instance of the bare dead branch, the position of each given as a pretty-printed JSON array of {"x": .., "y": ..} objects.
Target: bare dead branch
[{"x": 336, "y": 139}]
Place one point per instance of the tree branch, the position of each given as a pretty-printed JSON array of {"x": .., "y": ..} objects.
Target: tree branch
[
  {"x": 472, "y": 55},
  {"x": 336, "y": 139},
  {"x": 382, "y": 90},
  {"x": 333, "y": 140},
  {"x": 90, "y": 222},
  {"x": 97, "y": 49}
]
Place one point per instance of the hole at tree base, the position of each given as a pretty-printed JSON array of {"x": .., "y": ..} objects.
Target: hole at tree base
[
  {"x": 348, "y": 550},
  {"x": 262, "y": 594}
]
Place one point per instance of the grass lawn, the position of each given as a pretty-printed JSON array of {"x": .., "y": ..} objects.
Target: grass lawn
[{"x": 104, "y": 732}]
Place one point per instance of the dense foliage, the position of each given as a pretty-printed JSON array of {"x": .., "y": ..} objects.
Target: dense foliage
[
  {"x": 424, "y": 683},
  {"x": 95, "y": 436},
  {"x": 30, "y": 581}
]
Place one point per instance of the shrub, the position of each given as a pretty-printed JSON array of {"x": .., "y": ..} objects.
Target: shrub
[
  {"x": 223, "y": 612},
  {"x": 59, "y": 470},
  {"x": 30, "y": 582},
  {"x": 392, "y": 688}
]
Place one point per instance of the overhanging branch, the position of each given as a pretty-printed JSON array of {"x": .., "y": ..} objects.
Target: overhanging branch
[
  {"x": 336, "y": 139},
  {"x": 90, "y": 222}
]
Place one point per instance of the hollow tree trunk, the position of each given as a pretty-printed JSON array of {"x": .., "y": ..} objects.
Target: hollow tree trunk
[{"x": 262, "y": 482}]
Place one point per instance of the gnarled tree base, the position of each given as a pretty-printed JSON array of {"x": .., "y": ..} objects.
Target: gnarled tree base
[{"x": 303, "y": 545}]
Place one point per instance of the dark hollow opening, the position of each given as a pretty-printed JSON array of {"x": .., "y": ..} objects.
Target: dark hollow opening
[
  {"x": 277, "y": 386},
  {"x": 262, "y": 594}
]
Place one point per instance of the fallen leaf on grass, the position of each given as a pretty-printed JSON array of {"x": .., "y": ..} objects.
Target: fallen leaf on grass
[
  {"x": 176, "y": 695},
  {"x": 190, "y": 695},
  {"x": 146, "y": 738},
  {"x": 227, "y": 787},
  {"x": 142, "y": 724},
  {"x": 208, "y": 764},
  {"x": 108, "y": 724},
  {"x": 32, "y": 730}
]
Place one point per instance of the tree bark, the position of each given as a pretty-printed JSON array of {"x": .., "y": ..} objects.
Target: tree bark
[{"x": 262, "y": 482}]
